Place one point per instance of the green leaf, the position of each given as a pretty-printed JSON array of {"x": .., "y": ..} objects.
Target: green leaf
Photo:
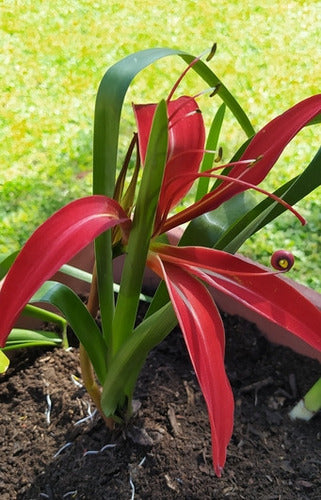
[
  {"x": 44, "y": 315},
  {"x": 211, "y": 144},
  {"x": 266, "y": 211},
  {"x": 207, "y": 229},
  {"x": 126, "y": 365},
  {"x": 80, "y": 320},
  {"x": 109, "y": 102},
  {"x": 20, "y": 338},
  {"x": 77, "y": 273},
  {"x": 141, "y": 232}
]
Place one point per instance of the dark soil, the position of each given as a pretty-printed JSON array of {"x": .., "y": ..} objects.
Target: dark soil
[{"x": 165, "y": 452}]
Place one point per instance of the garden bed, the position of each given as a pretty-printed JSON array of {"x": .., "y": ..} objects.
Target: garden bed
[{"x": 165, "y": 451}]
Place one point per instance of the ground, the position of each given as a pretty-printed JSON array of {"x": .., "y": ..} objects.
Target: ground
[{"x": 165, "y": 452}]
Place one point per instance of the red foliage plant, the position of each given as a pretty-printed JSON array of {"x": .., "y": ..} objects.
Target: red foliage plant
[{"x": 171, "y": 147}]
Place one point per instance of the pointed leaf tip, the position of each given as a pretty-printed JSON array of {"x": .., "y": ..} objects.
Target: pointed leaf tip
[
  {"x": 53, "y": 244},
  {"x": 268, "y": 144},
  {"x": 185, "y": 149},
  {"x": 203, "y": 333}
]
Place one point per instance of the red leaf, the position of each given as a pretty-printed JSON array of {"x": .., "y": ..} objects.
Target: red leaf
[
  {"x": 261, "y": 290},
  {"x": 210, "y": 201},
  {"x": 185, "y": 149},
  {"x": 269, "y": 143},
  {"x": 53, "y": 244},
  {"x": 203, "y": 332}
]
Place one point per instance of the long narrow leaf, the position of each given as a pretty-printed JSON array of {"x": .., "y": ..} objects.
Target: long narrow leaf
[
  {"x": 252, "y": 285},
  {"x": 53, "y": 244},
  {"x": 48, "y": 317},
  {"x": 77, "y": 273},
  {"x": 125, "y": 367},
  {"x": 203, "y": 332},
  {"x": 211, "y": 145},
  {"x": 109, "y": 102},
  {"x": 80, "y": 320},
  {"x": 268, "y": 210},
  {"x": 142, "y": 228},
  {"x": 20, "y": 338}
]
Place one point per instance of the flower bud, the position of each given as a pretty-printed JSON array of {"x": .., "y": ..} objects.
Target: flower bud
[{"x": 282, "y": 260}]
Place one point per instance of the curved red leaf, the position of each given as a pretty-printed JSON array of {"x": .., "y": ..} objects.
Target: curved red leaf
[
  {"x": 53, "y": 244},
  {"x": 266, "y": 147},
  {"x": 185, "y": 148},
  {"x": 203, "y": 332},
  {"x": 269, "y": 143},
  {"x": 261, "y": 290},
  {"x": 211, "y": 201}
]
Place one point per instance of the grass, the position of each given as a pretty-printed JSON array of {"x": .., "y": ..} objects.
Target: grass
[{"x": 55, "y": 53}]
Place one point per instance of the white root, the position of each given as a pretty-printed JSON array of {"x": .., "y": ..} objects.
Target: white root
[
  {"x": 62, "y": 449},
  {"x": 48, "y": 409}
]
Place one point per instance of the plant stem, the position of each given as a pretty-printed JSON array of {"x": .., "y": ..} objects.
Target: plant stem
[
  {"x": 308, "y": 406},
  {"x": 87, "y": 372},
  {"x": 127, "y": 363},
  {"x": 94, "y": 391},
  {"x": 93, "y": 302}
]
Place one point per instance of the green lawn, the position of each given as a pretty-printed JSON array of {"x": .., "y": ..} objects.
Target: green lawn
[{"x": 55, "y": 53}]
